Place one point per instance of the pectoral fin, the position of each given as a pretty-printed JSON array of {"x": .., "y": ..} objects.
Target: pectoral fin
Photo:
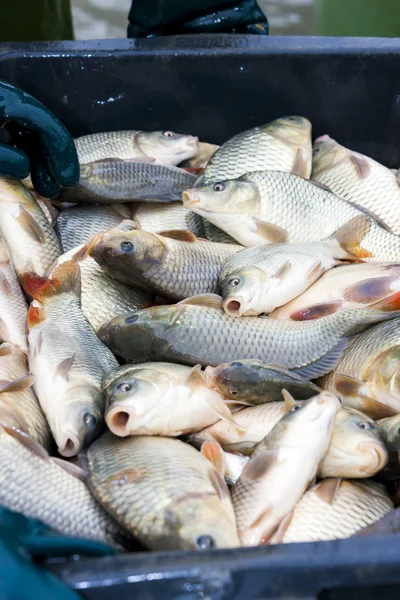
[
  {"x": 212, "y": 451},
  {"x": 302, "y": 164},
  {"x": 258, "y": 466},
  {"x": 30, "y": 225},
  {"x": 316, "y": 311},
  {"x": 271, "y": 233},
  {"x": 350, "y": 236},
  {"x": 17, "y": 385},
  {"x": 327, "y": 489}
]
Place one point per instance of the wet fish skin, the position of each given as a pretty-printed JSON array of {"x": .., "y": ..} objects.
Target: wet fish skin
[
  {"x": 335, "y": 509},
  {"x": 366, "y": 377},
  {"x": 281, "y": 468},
  {"x": 357, "y": 449},
  {"x": 190, "y": 334},
  {"x": 282, "y": 145},
  {"x": 164, "y": 147},
  {"x": 67, "y": 359},
  {"x": 272, "y": 206},
  {"x": 357, "y": 178},
  {"x": 102, "y": 296},
  {"x": 40, "y": 488},
  {"x": 343, "y": 288},
  {"x": 76, "y": 225},
  {"x": 160, "y": 399},
  {"x": 31, "y": 242},
  {"x": 173, "y": 268},
  {"x": 257, "y": 280},
  {"x": 156, "y": 217},
  {"x": 13, "y": 306},
  {"x": 253, "y": 382},
  {"x": 19, "y": 406},
  {"x": 106, "y": 182},
  {"x": 163, "y": 492}
]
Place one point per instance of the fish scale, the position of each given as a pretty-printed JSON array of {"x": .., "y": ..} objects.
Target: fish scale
[
  {"x": 359, "y": 179},
  {"x": 192, "y": 334},
  {"x": 353, "y": 507},
  {"x": 293, "y": 203},
  {"x": 363, "y": 352},
  {"x": 22, "y": 409},
  {"x": 21, "y": 221},
  {"x": 141, "y": 479},
  {"x": 190, "y": 268},
  {"x": 121, "y": 144},
  {"x": 156, "y": 217},
  {"x": 102, "y": 297},
  {"x": 252, "y": 150},
  {"x": 77, "y": 225},
  {"x": 39, "y": 488}
]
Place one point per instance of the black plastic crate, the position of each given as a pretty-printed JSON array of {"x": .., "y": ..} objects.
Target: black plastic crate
[{"x": 214, "y": 87}]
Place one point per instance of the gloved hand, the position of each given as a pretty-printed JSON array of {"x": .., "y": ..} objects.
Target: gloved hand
[
  {"x": 171, "y": 17},
  {"x": 44, "y": 147},
  {"x": 22, "y": 540}
]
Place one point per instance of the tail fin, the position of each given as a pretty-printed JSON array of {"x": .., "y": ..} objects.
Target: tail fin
[
  {"x": 65, "y": 278},
  {"x": 351, "y": 234}
]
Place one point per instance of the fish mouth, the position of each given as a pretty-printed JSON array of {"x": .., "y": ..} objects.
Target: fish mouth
[
  {"x": 119, "y": 420},
  {"x": 378, "y": 456},
  {"x": 70, "y": 445},
  {"x": 233, "y": 307},
  {"x": 192, "y": 140},
  {"x": 190, "y": 198}
]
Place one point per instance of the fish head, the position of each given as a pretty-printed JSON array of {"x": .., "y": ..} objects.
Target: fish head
[
  {"x": 316, "y": 413},
  {"x": 80, "y": 419},
  {"x": 357, "y": 448},
  {"x": 202, "y": 522},
  {"x": 235, "y": 380},
  {"x": 167, "y": 147},
  {"x": 138, "y": 335},
  {"x": 244, "y": 291},
  {"x": 135, "y": 250},
  {"x": 231, "y": 201},
  {"x": 134, "y": 401},
  {"x": 293, "y": 129},
  {"x": 326, "y": 154}
]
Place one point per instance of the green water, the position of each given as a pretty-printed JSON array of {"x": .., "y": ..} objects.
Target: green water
[{"x": 379, "y": 18}]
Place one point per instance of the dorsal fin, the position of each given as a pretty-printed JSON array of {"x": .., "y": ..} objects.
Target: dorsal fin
[
  {"x": 182, "y": 235},
  {"x": 209, "y": 300},
  {"x": 289, "y": 401}
]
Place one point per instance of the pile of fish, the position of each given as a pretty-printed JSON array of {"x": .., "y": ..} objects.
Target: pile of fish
[{"x": 201, "y": 344}]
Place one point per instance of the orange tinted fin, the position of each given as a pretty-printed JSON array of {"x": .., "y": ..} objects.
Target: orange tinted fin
[
  {"x": 66, "y": 277},
  {"x": 212, "y": 451},
  {"x": 369, "y": 291},
  {"x": 36, "y": 314}
]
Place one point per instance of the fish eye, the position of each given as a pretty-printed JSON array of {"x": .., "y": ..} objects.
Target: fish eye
[
  {"x": 168, "y": 134},
  {"x": 124, "y": 387},
  {"x": 204, "y": 542},
  {"x": 131, "y": 320},
  {"x": 234, "y": 282},
  {"x": 219, "y": 187},
  {"x": 366, "y": 425},
  {"x": 90, "y": 420},
  {"x": 233, "y": 392},
  {"x": 296, "y": 407},
  {"x": 315, "y": 151},
  {"x": 127, "y": 247},
  {"x": 237, "y": 364}
]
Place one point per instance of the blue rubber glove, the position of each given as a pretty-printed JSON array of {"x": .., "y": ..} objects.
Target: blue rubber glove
[{"x": 44, "y": 148}]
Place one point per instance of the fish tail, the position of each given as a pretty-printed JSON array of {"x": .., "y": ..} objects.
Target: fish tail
[{"x": 66, "y": 277}]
